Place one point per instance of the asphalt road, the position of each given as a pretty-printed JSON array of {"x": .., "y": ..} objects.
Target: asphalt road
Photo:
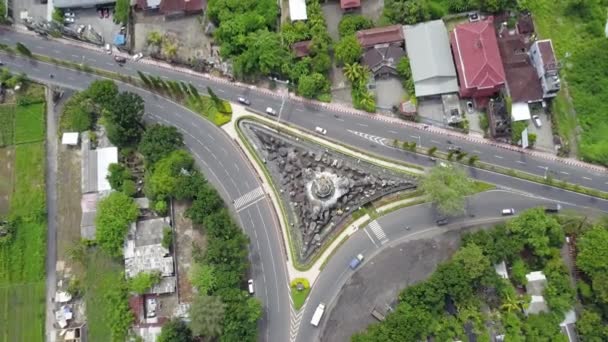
[
  {"x": 226, "y": 168},
  {"x": 340, "y": 126},
  {"x": 485, "y": 207}
]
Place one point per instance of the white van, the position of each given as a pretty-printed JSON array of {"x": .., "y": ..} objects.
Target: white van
[
  {"x": 508, "y": 212},
  {"x": 320, "y": 130},
  {"x": 316, "y": 317},
  {"x": 250, "y": 286}
]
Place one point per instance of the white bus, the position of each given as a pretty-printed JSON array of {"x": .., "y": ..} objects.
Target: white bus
[{"x": 316, "y": 317}]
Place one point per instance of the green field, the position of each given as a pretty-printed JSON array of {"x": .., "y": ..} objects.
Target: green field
[
  {"x": 21, "y": 317},
  {"x": 29, "y": 123},
  {"x": 22, "y": 259},
  {"x": 103, "y": 276},
  {"x": 7, "y": 123}
]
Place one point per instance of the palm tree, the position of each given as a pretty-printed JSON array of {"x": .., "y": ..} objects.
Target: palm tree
[
  {"x": 367, "y": 101},
  {"x": 206, "y": 316},
  {"x": 511, "y": 303},
  {"x": 353, "y": 72}
]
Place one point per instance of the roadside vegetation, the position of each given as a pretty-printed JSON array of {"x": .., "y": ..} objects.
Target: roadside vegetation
[
  {"x": 465, "y": 295},
  {"x": 300, "y": 288},
  {"x": 23, "y": 226},
  {"x": 222, "y": 309}
]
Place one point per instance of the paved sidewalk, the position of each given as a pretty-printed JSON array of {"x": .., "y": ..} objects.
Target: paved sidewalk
[{"x": 313, "y": 272}]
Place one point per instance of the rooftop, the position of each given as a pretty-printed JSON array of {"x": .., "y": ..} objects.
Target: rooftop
[
  {"x": 302, "y": 48},
  {"x": 350, "y": 4},
  {"x": 428, "y": 48},
  {"x": 383, "y": 59},
  {"x": 95, "y": 165},
  {"x": 536, "y": 283},
  {"x": 297, "y": 10},
  {"x": 381, "y": 35},
  {"x": 477, "y": 56},
  {"x": 547, "y": 54},
  {"x": 69, "y": 138},
  {"x": 522, "y": 79},
  {"x": 143, "y": 251}
]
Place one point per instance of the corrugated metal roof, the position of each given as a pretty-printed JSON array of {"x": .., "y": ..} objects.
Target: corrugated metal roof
[
  {"x": 105, "y": 157},
  {"x": 431, "y": 60},
  {"x": 297, "y": 10}
]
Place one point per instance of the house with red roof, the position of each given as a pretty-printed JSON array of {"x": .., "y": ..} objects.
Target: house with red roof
[
  {"x": 387, "y": 35},
  {"x": 477, "y": 58},
  {"x": 172, "y": 7},
  {"x": 349, "y": 5}
]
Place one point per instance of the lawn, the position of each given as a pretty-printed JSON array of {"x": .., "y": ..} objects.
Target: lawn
[
  {"x": 7, "y": 123},
  {"x": 299, "y": 297},
  {"x": 103, "y": 276},
  {"x": 580, "y": 46},
  {"x": 29, "y": 123}
]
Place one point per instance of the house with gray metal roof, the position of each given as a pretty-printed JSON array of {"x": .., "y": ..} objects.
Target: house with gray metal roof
[
  {"x": 81, "y": 3},
  {"x": 428, "y": 48}
]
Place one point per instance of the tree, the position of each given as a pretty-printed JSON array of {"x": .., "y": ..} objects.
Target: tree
[
  {"x": 590, "y": 327},
  {"x": 158, "y": 141},
  {"x": 102, "y": 93},
  {"x": 206, "y": 316},
  {"x": 313, "y": 85},
  {"x": 539, "y": 231},
  {"x": 403, "y": 68},
  {"x": 161, "y": 182},
  {"x": 519, "y": 271},
  {"x": 263, "y": 53},
  {"x": 354, "y": 72},
  {"x": 592, "y": 248},
  {"x": 473, "y": 159},
  {"x": 58, "y": 16},
  {"x": 514, "y": 303},
  {"x": 121, "y": 11},
  {"x": 175, "y": 330},
  {"x": 207, "y": 202},
  {"x": 117, "y": 175},
  {"x": 348, "y": 50},
  {"x": 543, "y": 327},
  {"x": 154, "y": 38},
  {"x": 351, "y": 23},
  {"x": 22, "y": 49},
  {"x": 367, "y": 102},
  {"x": 431, "y": 151},
  {"x": 124, "y": 119},
  {"x": 169, "y": 48},
  {"x": 447, "y": 188},
  {"x": 203, "y": 278},
  {"x": 143, "y": 282},
  {"x": 472, "y": 260},
  {"x": 114, "y": 214}
]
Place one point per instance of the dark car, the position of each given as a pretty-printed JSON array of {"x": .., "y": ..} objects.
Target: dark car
[
  {"x": 442, "y": 221},
  {"x": 553, "y": 208},
  {"x": 120, "y": 59}
]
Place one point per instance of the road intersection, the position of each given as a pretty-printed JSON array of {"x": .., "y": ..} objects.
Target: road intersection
[{"x": 225, "y": 166}]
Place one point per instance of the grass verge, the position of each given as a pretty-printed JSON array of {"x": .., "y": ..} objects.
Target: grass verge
[{"x": 299, "y": 297}]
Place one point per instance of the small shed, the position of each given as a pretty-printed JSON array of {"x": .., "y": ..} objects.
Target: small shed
[{"x": 69, "y": 138}]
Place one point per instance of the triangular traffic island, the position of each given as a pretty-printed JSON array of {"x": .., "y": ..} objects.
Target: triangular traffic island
[{"x": 319, "y": 187}]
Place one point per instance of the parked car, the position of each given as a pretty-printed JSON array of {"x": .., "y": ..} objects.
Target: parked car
[
  {"x": 1, "y": 63},
  {"x": 69, "y": 20},
  {"x": 537, "y": 121},
  {"x": 508, "y": 212},
  {"x": 250, "y": 286},
  {"x": 69, "y": 14},
  {"x": 553, "y": 208},
  {"x": 120, "y": 59},
  {"x": 470, "y": 106},
  {"x": 442, "y": 221},
  {"x": 137, "y": 56},
  {"x": 473, "y": 17},
  {"x": 454, "y": 148},
  {"x": 244, "y": 100},
  {"x": 108, "y": 49},
  {"x": 356, "y": 261},
  {"x": 271, "y": 111},
  {"x": 320, "y": 130}
]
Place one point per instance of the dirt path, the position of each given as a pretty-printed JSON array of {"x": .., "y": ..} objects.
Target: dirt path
[{"x": 51, "y": 204}]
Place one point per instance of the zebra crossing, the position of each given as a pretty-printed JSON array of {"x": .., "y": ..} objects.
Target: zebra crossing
[
  {"x": 375, "y": 227},
  {"x": 248, "y": 198},
  {"x": 373, "y": 138}
]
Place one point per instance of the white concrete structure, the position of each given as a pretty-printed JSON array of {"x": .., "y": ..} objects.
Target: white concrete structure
[
  {"x": 69, "y": 138},
  {"x": 297, "y": 10}
]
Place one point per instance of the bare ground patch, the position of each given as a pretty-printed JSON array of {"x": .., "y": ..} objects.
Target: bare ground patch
[
  {"x": 189, "y": 241},
  {"x": 7, "y": 165}
]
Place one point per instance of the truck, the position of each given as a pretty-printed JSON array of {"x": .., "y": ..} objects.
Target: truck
[
  {"x": 316, "y": 317},
  {"x": 356, "y": 261}
]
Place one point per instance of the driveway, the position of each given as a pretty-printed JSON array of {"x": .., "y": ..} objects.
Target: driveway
[
  {"x": 544, "y": 133},
  {"x": 105, "y": 27},
  {"x": 389, "y": 92},
  {"x": 333, "y": 15},
  {"x": 30, "y": 8},
  {"x": 430, "y": 111}
]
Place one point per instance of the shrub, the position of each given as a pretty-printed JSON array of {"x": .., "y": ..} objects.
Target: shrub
[
  {"x": 161, "y": 207},
  {"x": 143, "y": 282},
  {"x": 167, "y": 241}
]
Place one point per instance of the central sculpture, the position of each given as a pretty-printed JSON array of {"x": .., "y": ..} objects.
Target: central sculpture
[{"x": 319, "y": 188}]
